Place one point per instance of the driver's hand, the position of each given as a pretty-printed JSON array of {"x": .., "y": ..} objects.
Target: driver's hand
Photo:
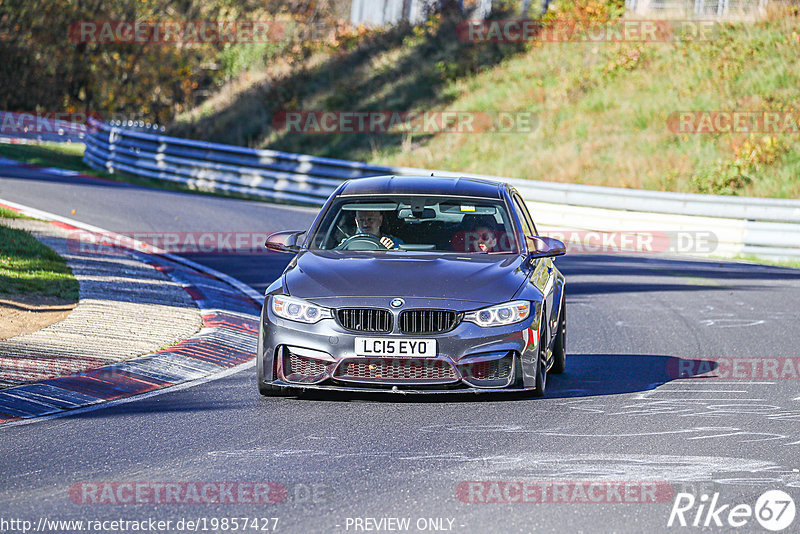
[{"x": 386, "y": 242}]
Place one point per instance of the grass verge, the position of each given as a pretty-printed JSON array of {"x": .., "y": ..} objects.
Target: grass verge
[
  {"x": 795, "y": 264},
  {"x": 603, "y": 111},
  {"x": 6, "y": 213},
  {"x": 29, "y": 268},
  {"x": 66, "y": 156}
]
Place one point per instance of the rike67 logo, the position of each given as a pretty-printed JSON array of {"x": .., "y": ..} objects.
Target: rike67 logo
[{"x": 774, "y": 510}]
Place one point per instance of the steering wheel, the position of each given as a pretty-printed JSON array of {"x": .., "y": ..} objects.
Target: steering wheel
[{"x": 362, "y": 241}]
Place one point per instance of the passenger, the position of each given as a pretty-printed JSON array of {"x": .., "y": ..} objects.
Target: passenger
[
  {"x": 478, "y": 234},
  {"x": 485, "y": 238},
  {"x": 481, "y": 235}
]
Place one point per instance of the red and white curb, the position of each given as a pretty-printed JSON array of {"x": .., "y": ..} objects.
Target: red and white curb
[{"x": 226, "y": 343}]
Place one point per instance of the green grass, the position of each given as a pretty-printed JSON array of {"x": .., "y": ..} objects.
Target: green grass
[
  {"x": 6, "y": 213},
  {"x": 610, "y": 128},
  {"x": 29, "y": 268},
  {"x": 68, "y": 156},
  {"x": 62, "y": 155},
  {"x": 795, "y": 264},
  {"x": 602, "y": 108}
]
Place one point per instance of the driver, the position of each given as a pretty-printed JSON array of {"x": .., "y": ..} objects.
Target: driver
[{"x": 369, "y": 222}]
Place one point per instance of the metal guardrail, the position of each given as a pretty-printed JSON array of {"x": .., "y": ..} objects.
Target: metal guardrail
[
  {"x": 261, "y": 173},
  {"x": 719, "y": 9},
  {"x": 769, "y": 228}
]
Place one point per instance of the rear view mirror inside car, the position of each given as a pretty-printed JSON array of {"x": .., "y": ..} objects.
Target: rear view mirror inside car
[{"x": 426, "y": 214}]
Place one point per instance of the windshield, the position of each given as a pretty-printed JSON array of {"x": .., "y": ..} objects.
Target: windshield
[{"x": 426, "y": 224}]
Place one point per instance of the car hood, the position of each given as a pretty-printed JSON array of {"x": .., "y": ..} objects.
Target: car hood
[{"x": 338, "y": 275}]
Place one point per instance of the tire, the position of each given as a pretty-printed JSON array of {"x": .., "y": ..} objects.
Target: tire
[
  {"x": 560, "y": 346},
  {"x": 541, "y": 363}
]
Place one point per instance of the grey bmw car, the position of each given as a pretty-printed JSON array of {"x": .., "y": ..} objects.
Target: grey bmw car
[{"x": 415, "y": 284}]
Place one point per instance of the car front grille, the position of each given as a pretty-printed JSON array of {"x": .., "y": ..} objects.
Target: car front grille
[
  {"x": 365, "y": 320},
  {"x": 396, "y": 370},
  {"x": 428, "y": 321}
]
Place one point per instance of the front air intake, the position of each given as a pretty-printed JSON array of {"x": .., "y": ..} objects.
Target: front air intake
[
  {"x": 493, "y": 372},
  {"x": 394, "y": 370},
  {"x": 302, "y": 370}
]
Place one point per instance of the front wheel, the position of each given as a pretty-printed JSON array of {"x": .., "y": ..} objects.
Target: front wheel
[{"x": 560, "y": 346}]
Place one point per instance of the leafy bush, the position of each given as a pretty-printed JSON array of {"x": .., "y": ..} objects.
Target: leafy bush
[
  {"x": 729, "y": 177},
  {"x": 53, "y": 71}
]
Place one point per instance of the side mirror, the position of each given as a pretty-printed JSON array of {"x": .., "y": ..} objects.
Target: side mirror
[
  {"x": 545, "y": 247},
  {"x": 284, "y": 241}
]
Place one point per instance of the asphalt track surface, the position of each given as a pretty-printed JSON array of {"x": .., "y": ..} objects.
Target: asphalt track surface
[{"x": 617, "y": 414}]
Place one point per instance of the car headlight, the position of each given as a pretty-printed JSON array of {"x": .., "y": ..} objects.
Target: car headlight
[
  {"x": 296, "y": 309},
  {"x": 501, "y": 314}
]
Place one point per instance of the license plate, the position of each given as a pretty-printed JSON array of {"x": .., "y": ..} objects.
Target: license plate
[{"x": 381, "y": 346}]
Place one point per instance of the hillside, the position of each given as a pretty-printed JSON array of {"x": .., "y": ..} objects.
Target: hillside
[{"x": 601, "y": 110}]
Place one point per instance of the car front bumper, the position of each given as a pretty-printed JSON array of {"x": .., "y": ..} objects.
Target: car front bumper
[{"x": 468, "y": 358}]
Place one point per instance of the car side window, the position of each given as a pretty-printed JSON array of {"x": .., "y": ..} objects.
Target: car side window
[{"x": 525, "y": 217}]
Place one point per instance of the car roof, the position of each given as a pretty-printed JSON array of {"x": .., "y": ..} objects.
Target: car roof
[{"x": 423, "y": 185}]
